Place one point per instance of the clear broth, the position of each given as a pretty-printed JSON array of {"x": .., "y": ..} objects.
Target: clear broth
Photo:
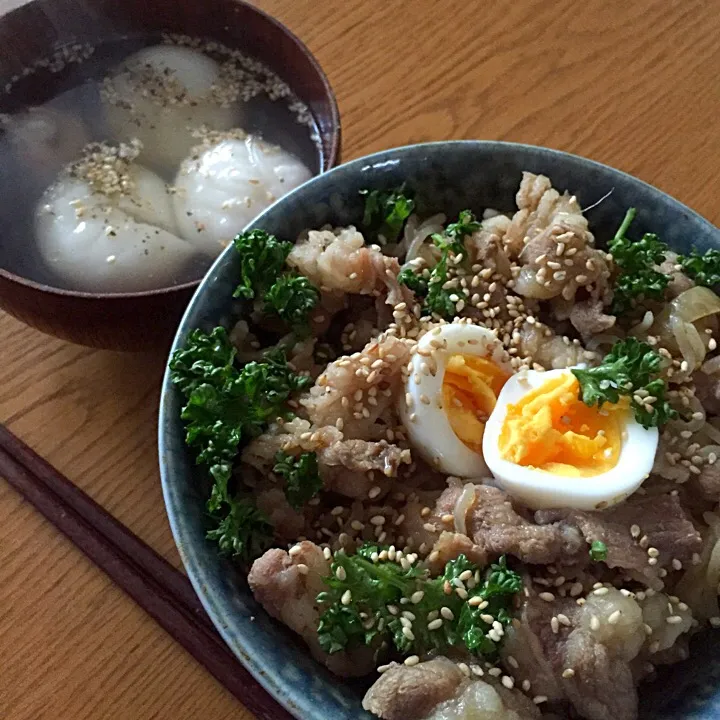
[{"x": 75, "y": 90}]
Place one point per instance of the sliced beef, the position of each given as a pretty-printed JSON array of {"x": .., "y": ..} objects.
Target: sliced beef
[
  {"x": 602, "y": 687},
  {"x": 679, "y": 282},
  {"x": 707, "y": 390},
  {"x": 451, "y": 545},
  {"x": 487, "y": 698},
  {"x": 539, "y": 343},
  {"x": 287, "y": 522},
  {"x": 575, "y": 664},
  {"x": 588, "y": 318},
  {"x": 356, "y": 390},
  {"x": 341, "y": 262},
  {"x": 662, "y": 524},
  {"x": 349, "y": 467},
  {"x": 287, "y": 586},
  {"x": 709, "y": 481},
  {"x": 363, "y": 456},
  {"x": 411, "y": 692},
  {"x": 496, "y": 528}
]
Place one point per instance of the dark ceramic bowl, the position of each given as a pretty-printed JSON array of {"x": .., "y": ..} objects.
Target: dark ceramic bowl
[
  {"x": 448, "y": 177},
  {"x": 142, "y": 320}
]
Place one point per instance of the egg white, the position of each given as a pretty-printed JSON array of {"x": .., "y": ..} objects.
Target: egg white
[
  {"x": 166, "y": 130},
  {"x": 428, "y": 426},
  {"x": 541, "y": 490},
  {"x": 98, "y": 244},
  {"x": 219, "y": 193}
]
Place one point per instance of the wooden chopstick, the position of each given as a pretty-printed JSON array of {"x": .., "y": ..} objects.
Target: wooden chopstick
[{"x": 161, "y": 590}]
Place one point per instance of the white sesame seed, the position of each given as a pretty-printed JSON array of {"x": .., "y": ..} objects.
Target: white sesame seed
[
  {"x": 346, "y": 598},
  {"x": 601, "y": 591},
  {"x": 412, "y": 660},
  {"x": 568, "y": 673},
  {"x": 540, "y": 699},
  {"x": 435, "y": 624},
  {"x": 547, "y": 596},
  {"x": 508, "y": 682},
  {"x": 673, "y": 620},
  {"x": 594, "y": 623},
  {"x": 614, "y": 617},
  {"x": 447, "y": 613},
  {"x": 408, "y": 633},
  {"x": 416, "y": 597}
]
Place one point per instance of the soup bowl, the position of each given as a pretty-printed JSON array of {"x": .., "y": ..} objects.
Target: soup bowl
[
  {"x": 447, "y": 177},
  {"x": 138, "y": 320}
]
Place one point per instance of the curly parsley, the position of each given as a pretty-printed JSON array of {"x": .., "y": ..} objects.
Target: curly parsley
[
  {"x": 292, "y": 297},
  {"x": 628, "y": 370},
  {"x": 703, "y": 269},
  {"x": 451, "y": 243},
  {"x": 302, "y": 476},
  {"x": 386, "y": 212},
  {"x": 363, "y": 602},
  {"x": 638, "y": 279},
  {"x": 226, "y": 405}
]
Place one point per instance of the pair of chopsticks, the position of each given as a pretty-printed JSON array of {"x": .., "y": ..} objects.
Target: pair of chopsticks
[{"x": 161, "y": 590}]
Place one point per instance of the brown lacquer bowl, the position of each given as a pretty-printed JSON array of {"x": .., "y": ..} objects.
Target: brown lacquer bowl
[{"x": 141, "y": 320}]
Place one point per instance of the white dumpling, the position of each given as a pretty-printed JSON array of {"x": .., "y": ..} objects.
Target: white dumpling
[
  {"x": 219, "y": 191},
  {"x": 162, "y": 94},
  {"x": 97, "y": 243},
  {"x": 45, "y": 139}
]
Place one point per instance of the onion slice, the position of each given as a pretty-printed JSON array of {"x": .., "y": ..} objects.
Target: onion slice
[{"x": 462, "y": 505}]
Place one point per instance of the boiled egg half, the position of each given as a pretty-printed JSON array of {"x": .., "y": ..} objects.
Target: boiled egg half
[
  {"x": 456, "y": 374},
  {"x": 548, "y": 449}
]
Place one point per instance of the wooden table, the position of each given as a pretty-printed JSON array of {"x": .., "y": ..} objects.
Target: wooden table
[{"x": 632, "y": 84}]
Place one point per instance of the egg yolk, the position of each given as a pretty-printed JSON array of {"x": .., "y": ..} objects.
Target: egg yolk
[
  {"x": 551, "y": 429},
  {"x": 470, "y": 388}
]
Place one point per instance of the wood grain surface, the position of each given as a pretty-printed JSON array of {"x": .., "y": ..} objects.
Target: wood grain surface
[{"x": 632, "y": 84}]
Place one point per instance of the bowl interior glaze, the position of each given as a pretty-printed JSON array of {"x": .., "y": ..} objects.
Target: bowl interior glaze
[{"x": 448, "y": 177}]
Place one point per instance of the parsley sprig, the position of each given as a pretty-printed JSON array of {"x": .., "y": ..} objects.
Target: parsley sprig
[
  {"x": 292, "y": 297},
  {"x": 638, "y": 279},
  {"x": 302, "y": 476},
  {"x": 225, "y": 406},
  {"x": 367, "y": 597},
  {"x": 263, "y": 275},
  {"x": 704, "y": 268},
  {"x": 630, "y": 369},
  {"x": 386, "y": 212},
  {"x": 451, "y": 243}
]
